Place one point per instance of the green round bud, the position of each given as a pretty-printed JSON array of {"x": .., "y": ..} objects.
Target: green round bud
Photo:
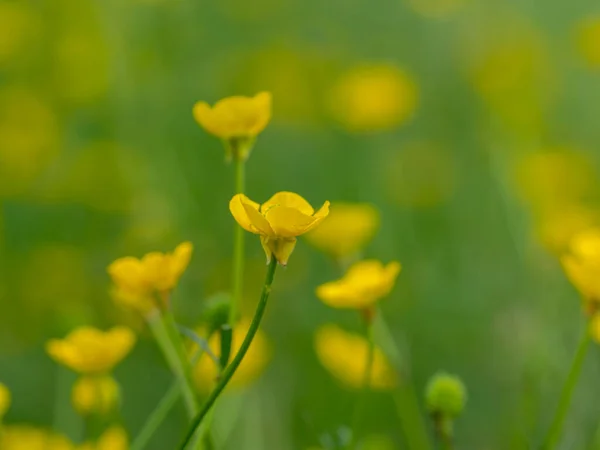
[
  {"x": 216, "y": 312},
  {"x": 445, "y": 395}
]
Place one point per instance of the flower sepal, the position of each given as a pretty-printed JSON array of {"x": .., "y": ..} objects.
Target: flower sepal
[{"x": 238, "y": 148}]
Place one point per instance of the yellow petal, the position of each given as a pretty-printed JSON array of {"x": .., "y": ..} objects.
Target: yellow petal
[
  {"x": 205, "y": 117},
  {"x": 288, "y": 222},
  {"x": 262, "y": 102},
  {"x": 258, "y": 222},
  {"x": 128, "y": 273},
  {"x": 289, "y": 199},
  {"x": 236, "y": 206},
  {"x": 319, "y": 216},
  {"x": 181, "y": 259}
]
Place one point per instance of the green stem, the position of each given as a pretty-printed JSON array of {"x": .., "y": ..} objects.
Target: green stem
[
  {"x": 405, "y": 397},
  {"x": 161, "y": 411},
  {"x": 553, "y": 436},
  {"x": 231, "y": 368},
  {"x": 157, "y": 417},
  {"x": 366, "y": 385},
  {"x": 238, "y": 249},
  {"x": 169, "y": 341}
]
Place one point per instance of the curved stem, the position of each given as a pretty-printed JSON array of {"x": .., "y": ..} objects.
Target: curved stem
[
  {"x": 553, "y": 436},
  {"x": 231, "y": 368}
]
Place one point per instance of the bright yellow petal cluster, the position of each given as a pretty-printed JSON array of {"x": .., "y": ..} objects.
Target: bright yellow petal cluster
[
  {"x": 115, "y": 438},
  {"x": 582, "y": 265},
  {"x": 251, "y": 367},
  {"x": 349, "y": 227},
  {"x": 95, "y": 395},
  {"x": 374, "y": 98},
  {"x": 137, "y": 281},
  {"x": 235, "y": 117},
  {"x": 588, "y": 41},
  {"x": 90, "y": 351},
  {"x": 25, "y": 437},
  {"x": 5, "y": 399},
  {"x": 345, "y": 354},
  {"x": 364, "y": 283},
  {"x": 278, "y": 221}
]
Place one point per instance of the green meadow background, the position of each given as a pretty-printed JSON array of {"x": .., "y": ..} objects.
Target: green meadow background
[{"x": 100, "y": 158}]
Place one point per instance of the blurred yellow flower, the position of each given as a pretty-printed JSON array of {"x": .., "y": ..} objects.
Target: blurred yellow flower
[
  {"x": 251, "y": 367},
  {"x": 25, "y": 155},
  {"x": 582, "y": 266},
  {"x": 138, "y": 280},
  {"x": 364, "y": 283},
  {"x": 25, "y": 437},
  {"x": 95, "y": 395},
  {"x": 18, "y": 24},
  {"x": 588, "y": 40},
  {"x": 90, "y": 351},
  {"x": 278, "y": 221},
  {"x": 557, "y": 227},
  {"x": 115, "y": 438},
  {"x": 557, "y": 176},
  {"x": 373, "y": 98},
  {"x": 344, "y": 355},
  {"x": 349, "y": 227},
  {"x": 5, "y": 399},
  {"x": 235, "y": 117}
]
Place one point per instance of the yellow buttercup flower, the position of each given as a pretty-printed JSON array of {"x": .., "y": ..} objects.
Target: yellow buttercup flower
[
  {"x": 364, "y": 283},
  {"x": 344, "y": 355},
  {"x": 557, "y": 227},
  {"x": 236, "y": 119},
  {"x": 115, "y": 438},
  {"x": 251, "y": 367},
  {"x": 278, "y": 221},
  {"x": 95, "y": 395},
  {"x": 588, "y": 41},
  {"x": 373, "y": 98},
  {"x": 138, "y": 280},
  {"x": 90, "y": 351},
  {"x": 5, "y": 399},
  {"x": 349, "y": 227},
  {"x": 582, "y": 266},
  {"x": 25, "y": 437}
]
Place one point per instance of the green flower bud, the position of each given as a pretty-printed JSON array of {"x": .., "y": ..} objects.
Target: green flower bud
[
  {"x": 445, "y": 395},
  {"x": 216, "y": 313}
]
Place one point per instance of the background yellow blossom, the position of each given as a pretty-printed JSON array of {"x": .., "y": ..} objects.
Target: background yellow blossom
[
  {"x": 252, "y": 366},
  {"x": 88, "y": 350},
  {"x": 344, "y": 355}
]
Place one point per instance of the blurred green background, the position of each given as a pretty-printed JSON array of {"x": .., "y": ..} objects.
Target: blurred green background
[{"x": 482, "y": 167}]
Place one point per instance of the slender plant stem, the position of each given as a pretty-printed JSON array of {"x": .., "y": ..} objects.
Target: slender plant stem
[
  {"x": 405, "y": 397},
  {"x": 157, "y": 417},
  {"x": 167, "y": 337},
  {"x": 232, "y": 367},
  {"x": 366, "y": 386},
  {"x": 553, "y": 436},
  {"x": 160, "y": 413},
  {"x": 238, "y": 249}
]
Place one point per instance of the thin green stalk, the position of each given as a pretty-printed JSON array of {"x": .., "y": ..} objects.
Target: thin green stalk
[
  {"x": 232, "y": 367},
  {"x": 411, "y": 418},
  {"x": 553, "y": 436},
  {"x": 168, "y": 339},
  {"x": 157, "y": 417},
  {"x": 405, "y": 397},
  {"x": 161, "y": 411},
  {"x": 366, "y": 383},
  {"x": 238, "y": 249}
]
